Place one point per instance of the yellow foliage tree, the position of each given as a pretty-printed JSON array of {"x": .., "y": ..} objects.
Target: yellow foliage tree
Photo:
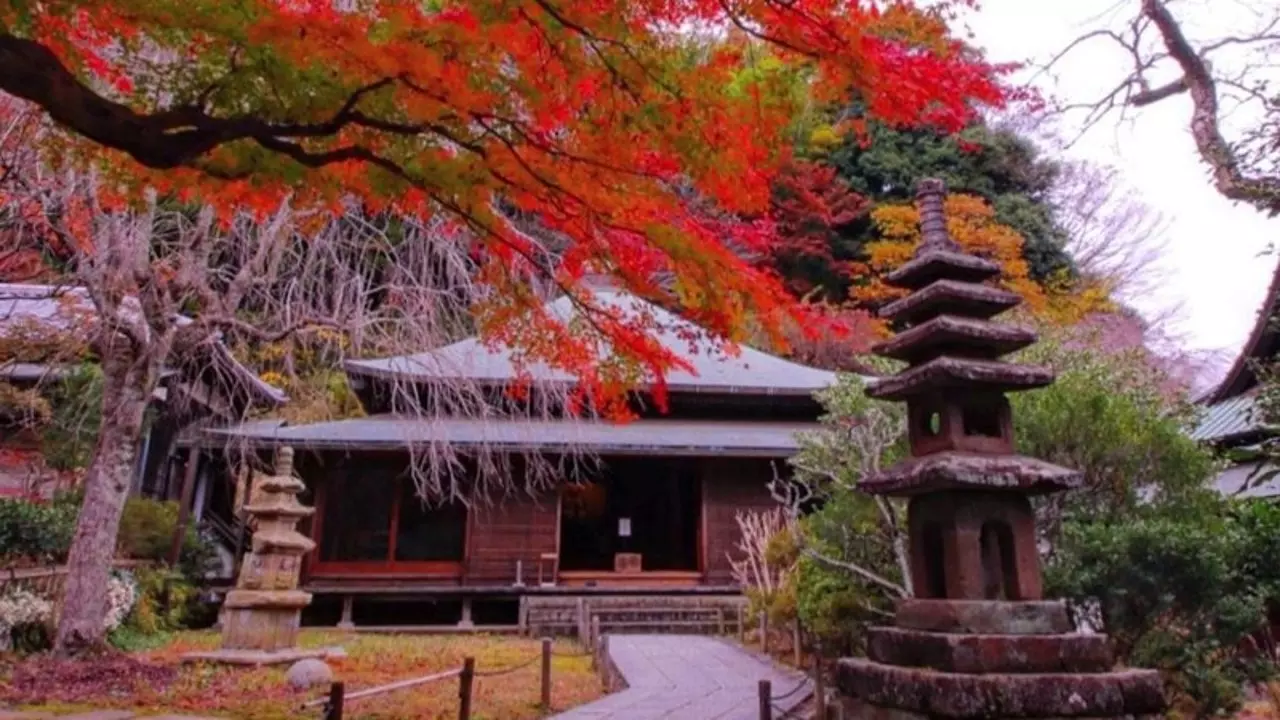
[{"x": 972, "y": 223}]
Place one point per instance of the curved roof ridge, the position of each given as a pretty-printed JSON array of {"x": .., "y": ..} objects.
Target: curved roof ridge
[
  {"x": 1263, "y": 343},
  {"x": 748, "y": 371}
]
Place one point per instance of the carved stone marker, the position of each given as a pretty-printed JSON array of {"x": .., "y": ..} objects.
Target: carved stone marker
[
  {"x": 260, "y": 617},
  {"x": 978, "y": 640}
]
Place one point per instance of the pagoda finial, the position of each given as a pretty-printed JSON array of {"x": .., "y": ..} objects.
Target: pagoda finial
[
  {"x": 930, "y": 196},
  {"x": 284, "y": 462}
]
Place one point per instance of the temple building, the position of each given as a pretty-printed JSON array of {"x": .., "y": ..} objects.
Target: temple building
[{"x": 653, "y": 513}]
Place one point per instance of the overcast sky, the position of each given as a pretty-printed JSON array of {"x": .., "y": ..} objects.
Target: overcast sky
[{"x": 1213, "y": 263}]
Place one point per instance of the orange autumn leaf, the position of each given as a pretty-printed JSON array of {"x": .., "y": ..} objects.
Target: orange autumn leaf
[{"x": 971, "y": 222}]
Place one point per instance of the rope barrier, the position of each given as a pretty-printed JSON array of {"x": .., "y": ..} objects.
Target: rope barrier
[
  {"x": 513, "y": 668},
  {"x": 444, "y": 675},
  {"x": 402, "y": 684},
  {"x": 792, "y": 691}
]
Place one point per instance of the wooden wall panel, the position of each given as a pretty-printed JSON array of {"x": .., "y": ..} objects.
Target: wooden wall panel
[
  {"x": 730, "y": 486},
  {"x": 520, "y": 528}
]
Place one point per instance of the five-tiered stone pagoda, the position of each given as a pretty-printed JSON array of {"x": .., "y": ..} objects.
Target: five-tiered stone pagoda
[{"x": 978, "y": 640}]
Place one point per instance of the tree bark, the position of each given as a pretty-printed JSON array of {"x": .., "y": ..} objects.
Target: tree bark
[{"x": 126, "y": 388}]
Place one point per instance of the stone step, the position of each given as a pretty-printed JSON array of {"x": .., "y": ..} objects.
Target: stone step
[
  {"x": 957, "y": 696},
  {"x": 967, "y": 653}
]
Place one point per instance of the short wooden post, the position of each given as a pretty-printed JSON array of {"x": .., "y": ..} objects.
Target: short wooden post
[
  {"x": 797, "y": 648},
  {"x": 766, "y": 700},
  {"x": 742, "y": 626},
  {"x": 819, "y": 688},
  {"x": 333, "y": 708},
  {"x": 595, "y": 631},
  {"x": 465, "y": 681},
  {"x": 545, "y": 696},
  {"x": 764, "y": 631}
]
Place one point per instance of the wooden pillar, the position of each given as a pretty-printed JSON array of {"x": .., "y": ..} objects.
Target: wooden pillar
[
  {"x": 346, "y": 622},
  {"x": 184, "y": 505},
  {"x": 466, "y": 622}
]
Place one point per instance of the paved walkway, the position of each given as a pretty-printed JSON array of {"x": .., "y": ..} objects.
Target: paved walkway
[{"x": 688, "y": 676}]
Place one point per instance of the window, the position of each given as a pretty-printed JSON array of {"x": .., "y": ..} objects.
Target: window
[
  {"x": 373, "y": 520},
  {"x": 428, "y": 532}
]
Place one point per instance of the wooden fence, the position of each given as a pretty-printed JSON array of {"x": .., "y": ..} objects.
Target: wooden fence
[{"x": 48, "y": 581}]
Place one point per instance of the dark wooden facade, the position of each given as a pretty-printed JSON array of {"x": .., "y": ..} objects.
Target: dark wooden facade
[{"x": 518, "y": 541}]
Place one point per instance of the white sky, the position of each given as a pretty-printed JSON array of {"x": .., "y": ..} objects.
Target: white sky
[{"x": 1213, "y": 263}]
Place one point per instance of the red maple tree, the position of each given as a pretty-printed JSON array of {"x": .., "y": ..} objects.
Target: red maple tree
[{"x": 596, "y": 117}]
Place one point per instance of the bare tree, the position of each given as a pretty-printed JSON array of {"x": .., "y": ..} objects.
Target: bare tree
[
  {"x": 858, "y": 438},
  {"x": 1113, "y": 236},
  {"x": 753, "y": 568},
  {"x": 1224, "y": 75},
  {"x": 168, "y": 283}
]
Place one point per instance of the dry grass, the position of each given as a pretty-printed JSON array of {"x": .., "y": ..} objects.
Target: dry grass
[{"x": 262, "y": 693}]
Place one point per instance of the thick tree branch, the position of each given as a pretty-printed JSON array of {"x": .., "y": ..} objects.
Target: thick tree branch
[{"x": 1228, "y": 177}]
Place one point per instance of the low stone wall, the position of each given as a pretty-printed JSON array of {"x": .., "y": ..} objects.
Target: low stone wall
[{"x": 583, "y": 615}]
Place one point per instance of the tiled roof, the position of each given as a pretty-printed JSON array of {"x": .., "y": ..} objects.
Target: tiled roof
[
  {"x": 68, "y": 309},
  {"x": 638, "y": 437},
  {"x": 1238, "y": 481},
  {"x": 750, "y": 371},
  {"x": 1227, "y": 419}
]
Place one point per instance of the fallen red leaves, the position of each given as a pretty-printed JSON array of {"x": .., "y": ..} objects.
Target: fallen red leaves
[
  {"x": 46, "y": 679},
  {"x": 158, "y": 682}
]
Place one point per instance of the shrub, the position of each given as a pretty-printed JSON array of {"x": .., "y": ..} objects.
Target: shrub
[
  {"x": 24, "y": 621},
  {"x": 33, "y": 532},
  {"x": 1180, "y": 592}
]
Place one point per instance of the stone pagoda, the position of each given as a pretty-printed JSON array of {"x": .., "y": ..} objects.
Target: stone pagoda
[
  {"x": 260, "y": 617},
  {"x": 978, "y": 640}
]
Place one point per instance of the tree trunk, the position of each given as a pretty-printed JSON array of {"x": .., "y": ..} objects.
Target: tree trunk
[{"x": 126, "y": 387}]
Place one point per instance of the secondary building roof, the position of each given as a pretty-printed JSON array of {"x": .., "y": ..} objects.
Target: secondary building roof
[
  {"x": 750, "y": 371},
  {"x": 1228, "y": 421},
  {"x": 69, "y": 309},
  {"x": 638, "y": 437}
]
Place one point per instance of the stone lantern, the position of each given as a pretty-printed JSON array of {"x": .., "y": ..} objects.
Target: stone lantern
[
  {"x": 978, "y": 640},
  {"x": 261, "y": 616}
]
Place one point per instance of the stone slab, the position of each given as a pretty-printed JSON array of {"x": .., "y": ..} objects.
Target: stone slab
[
  {"x": 255, "y": 657},
  {"x": 956, "y": 470},
  {"x": 971, "y": 697},
  {"x": 978, "y": 654},
  {"x": 22, "y": 715},
  {"x": 863, "y": 711},
  {"x": 984, "y": 617}
]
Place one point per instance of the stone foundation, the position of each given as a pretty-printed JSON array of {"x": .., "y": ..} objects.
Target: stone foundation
[{"x": 966, "y": 660}]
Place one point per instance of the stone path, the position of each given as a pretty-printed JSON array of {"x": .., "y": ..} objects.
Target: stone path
[{"x": 688, "y": 676}]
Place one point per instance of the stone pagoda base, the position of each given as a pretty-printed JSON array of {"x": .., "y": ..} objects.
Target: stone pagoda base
[{"x": 947, "y": 659}]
